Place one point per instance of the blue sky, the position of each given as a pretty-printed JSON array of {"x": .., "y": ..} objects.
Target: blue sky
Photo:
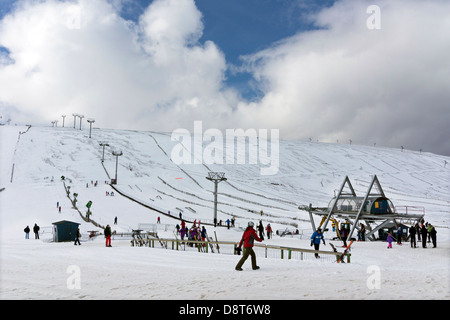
[
  {"x": 312, "y": 69},
  {"x": 245, "y": 27},
  {"x": 242, "y": 27}
]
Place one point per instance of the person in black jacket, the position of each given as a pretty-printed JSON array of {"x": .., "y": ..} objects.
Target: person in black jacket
[
  {"x": 423, "y": 231},
  {"x": 77, "y": 238},
  {"x": 261, "y": 230},
  {"x": 433, "y": 236},
  {"x": 27, "y": 232},
  {"x": 412, "y": 233},
  {"x": 36, "y": 231}
]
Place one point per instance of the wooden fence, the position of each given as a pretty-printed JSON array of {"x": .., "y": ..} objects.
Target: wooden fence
[{"x": 229, "y": 247}]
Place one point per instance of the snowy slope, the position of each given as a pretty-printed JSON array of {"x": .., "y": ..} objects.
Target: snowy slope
[{"x": 308, "y": 173}]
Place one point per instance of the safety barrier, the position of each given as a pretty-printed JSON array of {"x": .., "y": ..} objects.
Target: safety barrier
[{"x": 229, "y": 247}]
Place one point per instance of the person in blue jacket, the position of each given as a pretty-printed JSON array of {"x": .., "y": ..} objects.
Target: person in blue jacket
[{"x": 315, "y": 239}]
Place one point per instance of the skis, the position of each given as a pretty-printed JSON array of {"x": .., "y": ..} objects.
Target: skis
[
  {"x": 163, "y": 244},
  {"x": 217, "y": 245},
  {"x": 210, "y": 244},
  {"x": 333, "y": 247},
  {"x": 345, "y": 251}
]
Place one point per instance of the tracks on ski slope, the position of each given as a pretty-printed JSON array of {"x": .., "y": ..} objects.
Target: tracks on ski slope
[
  {"x": 161, "y": 211},
  {"x": 222, "y": 194},
  {"x": 225, "y": 203},
  {"x": 170, "y": 159},
  {"x": 228, "y": 182}
]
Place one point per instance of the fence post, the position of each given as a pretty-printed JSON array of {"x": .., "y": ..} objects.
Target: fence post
[
  {"x": 282, "y": 254},
  {"x": 289, "y": 253}
]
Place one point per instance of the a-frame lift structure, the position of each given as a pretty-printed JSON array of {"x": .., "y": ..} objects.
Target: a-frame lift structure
[{"x": 372, "y": 208}]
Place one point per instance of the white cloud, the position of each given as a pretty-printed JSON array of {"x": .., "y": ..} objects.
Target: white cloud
[
  {"x": 346, "y": 81},
  {"x": 83, "y": 57}
]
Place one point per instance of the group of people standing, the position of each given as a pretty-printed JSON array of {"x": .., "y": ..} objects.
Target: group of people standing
[
  {"x": 36, "y": 229},
  {"x": 424, "y": 232},
  {"x": 194, "y": 233}
]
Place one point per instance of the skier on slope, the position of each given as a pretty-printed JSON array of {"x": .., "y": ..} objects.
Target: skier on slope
[{"x": 315, "y": 239}]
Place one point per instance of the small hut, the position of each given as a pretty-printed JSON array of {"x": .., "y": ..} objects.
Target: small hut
[{"x": 64, "y": 231}]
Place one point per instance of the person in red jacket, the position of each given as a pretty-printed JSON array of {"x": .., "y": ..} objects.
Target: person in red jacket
[{"x": 248, "y": 238}]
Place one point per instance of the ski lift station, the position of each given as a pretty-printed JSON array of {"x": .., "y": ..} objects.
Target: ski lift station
[{"x": 374, "y": 210}]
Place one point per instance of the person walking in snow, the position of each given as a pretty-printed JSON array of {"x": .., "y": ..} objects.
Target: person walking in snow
[
  {"x": 261, "y": 230},
  {"x": 248, "y": 239},
  {"x": 108, "y": 236},
  {"x": 315, "y": 239},
  {"x": 389, "y": 239},
  {"x": 412, "y": 233},
  {"x": 77, "y": 237},
  {"x": 27, "y": 232},
  {"x": 36, "y": 231}
]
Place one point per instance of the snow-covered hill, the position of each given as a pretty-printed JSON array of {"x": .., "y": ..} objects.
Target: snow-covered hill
[{"x": 33, "y": 161}]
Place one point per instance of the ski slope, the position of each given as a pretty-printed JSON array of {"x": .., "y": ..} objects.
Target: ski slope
[{"x": 308, "y": 173}]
